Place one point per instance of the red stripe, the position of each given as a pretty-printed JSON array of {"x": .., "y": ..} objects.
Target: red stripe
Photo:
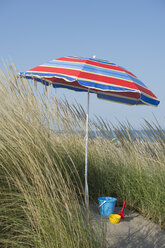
[
  {"x": 64, "y": 82},
  {"x": 95, "y": 63},
  {"x": 61, "y": 81},
  {"x": 87, "y": 76},
  {"x": 94, "y": 77},
  {"x": 67, "y": 59},
  {"x": 146, "y": 91}
]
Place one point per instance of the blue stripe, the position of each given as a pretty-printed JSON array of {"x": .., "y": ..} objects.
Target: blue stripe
[
  {"x": 69, "y": 87},
  {"x": 149, "y": 100},
  {"x": 106, "y": 72},
  {"x": 63, "y": 64},
  {"x": 143, "y": 100},
  {"x": 136, "y": 80},
  {"x": 117, "y": 99}
]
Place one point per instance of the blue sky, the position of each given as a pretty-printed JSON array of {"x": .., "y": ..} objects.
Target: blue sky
[{"x": 130, "y": 33}]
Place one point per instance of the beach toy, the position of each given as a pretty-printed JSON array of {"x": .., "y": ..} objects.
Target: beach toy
[
  {"x": 114, "y": 218},
  {"x": 106, "y": 205},
  {"x": 121, "y": 213}
]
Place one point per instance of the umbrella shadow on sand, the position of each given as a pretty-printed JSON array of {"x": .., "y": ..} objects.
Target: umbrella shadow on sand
[
  {"x": 133, "y": 231},
  {"x": 148, "y": 239}
]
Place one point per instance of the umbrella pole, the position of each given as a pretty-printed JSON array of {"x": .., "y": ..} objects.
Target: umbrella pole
[{"x": 86, "y": 154}]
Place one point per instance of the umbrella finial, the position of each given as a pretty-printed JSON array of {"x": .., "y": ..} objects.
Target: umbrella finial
[{"x": 94, "y": 56}]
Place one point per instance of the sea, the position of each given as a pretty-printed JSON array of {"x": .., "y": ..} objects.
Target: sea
[{"x": 141, "y": 135}]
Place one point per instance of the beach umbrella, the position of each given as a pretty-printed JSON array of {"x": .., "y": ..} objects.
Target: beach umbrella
[{"x": 108, "y": 80}]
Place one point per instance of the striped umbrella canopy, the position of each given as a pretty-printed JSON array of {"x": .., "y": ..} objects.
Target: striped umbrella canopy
[{"x": 108, "y": 80}]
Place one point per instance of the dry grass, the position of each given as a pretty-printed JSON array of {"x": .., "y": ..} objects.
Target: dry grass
[{"x": 40, "y": 205}]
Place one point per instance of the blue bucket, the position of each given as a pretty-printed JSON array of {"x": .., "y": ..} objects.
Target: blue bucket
[{"x": 106, "y": 205}]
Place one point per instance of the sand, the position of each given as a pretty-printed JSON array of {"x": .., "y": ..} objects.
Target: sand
[{"x": 133, "y": 231}]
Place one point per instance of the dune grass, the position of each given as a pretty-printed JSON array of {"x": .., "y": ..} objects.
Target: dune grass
[
  {"x": 42, "y": 168},
  {"x": 40, "y": 206},
  {"x": 133, "y": 171}
]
